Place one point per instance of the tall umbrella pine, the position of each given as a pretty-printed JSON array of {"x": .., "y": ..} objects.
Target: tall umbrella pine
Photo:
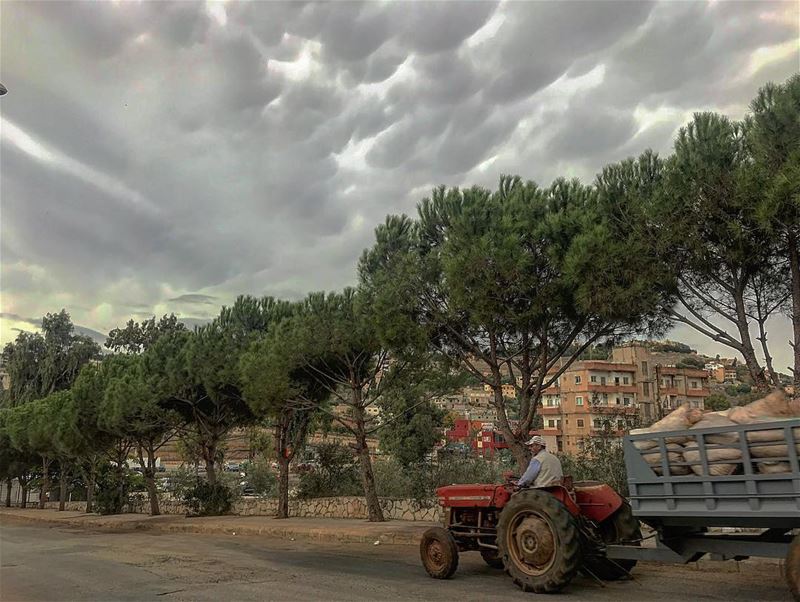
[
  {"x": 506, "y": 285},
  {"x": 201, "y": 377},
  {"x": 132, "y": 408},
  {"x": 104, "y": 441},
  {"x": 284, "y": 394},
  {"x": 773, "y": 134},
  {"x": 707, "y": 219}
]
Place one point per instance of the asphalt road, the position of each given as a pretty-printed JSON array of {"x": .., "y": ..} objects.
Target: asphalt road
[{"x": 56, "y": 563}]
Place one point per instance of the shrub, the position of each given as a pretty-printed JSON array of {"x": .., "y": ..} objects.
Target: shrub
[
  {"x": 205, "y": 499},
  {"x": 113, "y": 489},
  {"x": 336, "y": 474},
  {"x": 261, "y": 478}
]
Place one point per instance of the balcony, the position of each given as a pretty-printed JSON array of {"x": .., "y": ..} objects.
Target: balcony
[
  {"x": 698, "y": 392},
  {"x": 612, "y": 388},
  {"x": 614, "y": 409},
  {"x": 550, "y": 410},
  {"x": 554, "y": 431}
]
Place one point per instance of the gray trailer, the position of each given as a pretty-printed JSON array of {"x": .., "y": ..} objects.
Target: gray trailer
[{"x": 736, "y": 516}]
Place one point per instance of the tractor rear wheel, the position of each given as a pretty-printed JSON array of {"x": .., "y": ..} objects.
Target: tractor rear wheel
[
  {"x": 793, "y": 567},
  {"x": 620, "y": 527},
  {"x": 492, "y": 558},
  {"x": 539, "y": 542},
  {"x": 439, "y": 553}
]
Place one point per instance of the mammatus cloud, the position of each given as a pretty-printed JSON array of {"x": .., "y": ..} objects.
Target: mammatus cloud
[
  {"x": 149, "y": 149},
  {"x": 194, "y": 298}
]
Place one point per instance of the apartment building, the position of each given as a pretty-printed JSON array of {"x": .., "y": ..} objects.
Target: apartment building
[
  {"x": 662, "y": 387},
  {"x": 588, "y": 398}
]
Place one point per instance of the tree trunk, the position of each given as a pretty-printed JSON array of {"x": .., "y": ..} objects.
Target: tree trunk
[
  {"x": 23, "y": 486},
  {"x": 45, "y": 489},
  {"x": 90, "y": 488},
  {"x": 794, "y": 268},
  {"x": 518, "y": 450},
  {"x": 62, "y": 485},
  {"x": 283, "y": 487},
  {"x": 211, "y": 472},
  {"x": 374, "y": 509},
  {"x": 149, "y": 472},
  {"x": 748, "y": 351},
  {"x": 9, "y": 482}
]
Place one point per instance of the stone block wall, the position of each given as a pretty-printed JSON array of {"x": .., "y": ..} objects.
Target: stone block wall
[{"x": 326, "y": 507}]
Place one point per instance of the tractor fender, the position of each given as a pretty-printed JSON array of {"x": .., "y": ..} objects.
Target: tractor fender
[
  {"x": 597, "y": 500},
  {"x": 563, "y": 495}
]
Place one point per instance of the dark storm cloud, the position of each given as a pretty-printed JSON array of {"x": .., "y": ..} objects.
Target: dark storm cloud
[
  {"x": 252, "y": 147},
  {"x": 195, "y": 298}
]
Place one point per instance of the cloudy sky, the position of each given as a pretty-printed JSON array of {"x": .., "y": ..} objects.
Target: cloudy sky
[{"x": 165, "y": 157}]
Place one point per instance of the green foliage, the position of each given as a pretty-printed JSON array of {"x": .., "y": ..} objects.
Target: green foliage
[
  {"x": 335, "y": 473},
  {"x": 261, "y": 478},
  {"x": 137, "y": 337},
  {"x": 206, "y": 499},
  {"x": 41, "y": 364},
  {"x": 717, "y": 402},
  {"x": 114, "y": 486}
]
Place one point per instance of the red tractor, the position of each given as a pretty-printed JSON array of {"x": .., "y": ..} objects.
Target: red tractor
[{"x": 541, "y": 536}]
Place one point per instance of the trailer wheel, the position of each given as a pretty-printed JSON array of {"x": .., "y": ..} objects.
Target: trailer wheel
[
  {"x": 793, "y": 567},
  {"x": 539, "y": 542},
  {"x": 439, "y": 553},
  {"x": 492, "y": 558},
  {"x": 620, "y": 527}
]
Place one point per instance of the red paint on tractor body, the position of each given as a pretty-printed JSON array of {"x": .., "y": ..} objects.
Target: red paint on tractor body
[{"x": 595, "y": 501}]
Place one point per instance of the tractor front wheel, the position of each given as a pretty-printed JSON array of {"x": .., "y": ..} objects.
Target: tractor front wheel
[
  {"x": 539, "y": 542},
  {"x": 621, "y": 527},
  {"x": 439, "y": 553}
]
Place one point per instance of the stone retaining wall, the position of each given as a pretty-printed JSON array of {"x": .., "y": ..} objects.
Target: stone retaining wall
[{"x": 325, "y": 507}]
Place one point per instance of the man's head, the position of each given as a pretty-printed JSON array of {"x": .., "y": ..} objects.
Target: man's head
[{"x": 536, "y": 443}]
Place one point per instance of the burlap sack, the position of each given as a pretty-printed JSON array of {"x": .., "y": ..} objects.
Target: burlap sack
[
  {"x": 677, "y": 420},
  {"x": 713, "y": 419},
  {"x": 692, "y": 454},
  {"x": 774, "y": 404},
  {"x": 674, "y": 454},
  {"x": 773, "y": 467}
]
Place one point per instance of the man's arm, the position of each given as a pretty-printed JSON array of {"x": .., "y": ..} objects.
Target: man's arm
[{"x": 530, "y": 474}]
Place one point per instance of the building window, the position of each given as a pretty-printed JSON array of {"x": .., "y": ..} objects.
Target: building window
[
  {"x": 560, "y": 445},
  {"x": 644, "y": 368},
  {"x": 577, "y": 380},
  {"x": 626, "y": 380},
  {"x": 616, "y": 400},
  {"x": 646, "y": 388},
  {"x": 626, "y": 401},
  {"x": 579, "y": 401},
  {"x": 597, "y": 423},
  {"x": 616, "y": 380},
  {"x": 602, "y": 380},
  {"x": 693, "y": 384},
  {"x": 580, "y": 423},
  {"x": 551, "y": 423},
  {"x": 593, "y": 378}
]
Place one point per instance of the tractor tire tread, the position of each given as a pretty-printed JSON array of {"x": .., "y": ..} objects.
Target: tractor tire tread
[
  {"x": 567, "y": 534},
  {"x": 448, "y": 542}
]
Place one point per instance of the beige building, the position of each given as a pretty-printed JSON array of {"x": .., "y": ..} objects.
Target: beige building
[{"x": 662, "y": 387}]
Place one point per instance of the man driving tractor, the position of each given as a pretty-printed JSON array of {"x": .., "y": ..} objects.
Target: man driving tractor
[{"x": 544, "y": 468}]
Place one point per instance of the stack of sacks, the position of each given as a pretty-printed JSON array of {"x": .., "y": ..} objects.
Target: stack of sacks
[
  {"x": 720, "y": 447},
  {"x": 731, "y": 450},
  {"x": 769, "y": 443},
  {"x": 678, "y": 420}
]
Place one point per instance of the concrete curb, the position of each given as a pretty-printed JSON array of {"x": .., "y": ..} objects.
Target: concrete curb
[{"x": 331, "y": 530}]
